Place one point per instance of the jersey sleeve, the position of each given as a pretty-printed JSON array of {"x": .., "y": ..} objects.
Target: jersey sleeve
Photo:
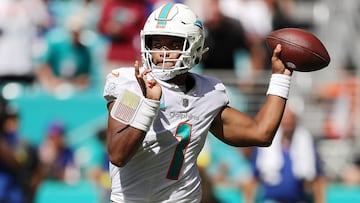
[
  {"x": 122, "y": 78},
  {"x": 220, "y": 89}
]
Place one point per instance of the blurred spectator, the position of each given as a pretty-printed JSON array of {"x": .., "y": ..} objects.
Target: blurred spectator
[
  {"x": 225, "y": 38},
  {"x": 351, "y": 173},
  {"x": 289, "y": 170},
  {"x": 3, "y": 105},
  {"x": 121, "y": 22},
  {"x": 230, "y": 176},
  {"x": 256, "y": 18},
  {"x": 19, "y": 164},
  {"x": 57, "y": 158},
  {"x": 65, "y": 60},
  {"x": 341, "y": 101},
  {"x": 100, "y": 172},
  {"x": 207, "y": 187},
  {"x": 229, "y": 53},
  {"x": 284, "y": 12},
  {"x": 255, "y": 15},
  {"x": 89, "y": 11},
  {"x": 20, "y": 23}
]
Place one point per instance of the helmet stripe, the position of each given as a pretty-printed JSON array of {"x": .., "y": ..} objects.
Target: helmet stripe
[
  {"x": 164, "y": 14},
  {"x": 199, "y": 24}
]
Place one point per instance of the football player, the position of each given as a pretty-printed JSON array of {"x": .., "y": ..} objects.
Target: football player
[{"x": 160, "y": 113}]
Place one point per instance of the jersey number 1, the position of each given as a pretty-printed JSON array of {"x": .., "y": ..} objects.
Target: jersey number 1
[{"x": 183, "y": 133}]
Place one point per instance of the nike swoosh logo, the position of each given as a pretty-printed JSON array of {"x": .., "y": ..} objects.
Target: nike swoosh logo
[{"x": 116, "y": 74}]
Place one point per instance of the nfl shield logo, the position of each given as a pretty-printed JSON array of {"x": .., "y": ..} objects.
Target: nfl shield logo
[{"x": 185, "y": 102}]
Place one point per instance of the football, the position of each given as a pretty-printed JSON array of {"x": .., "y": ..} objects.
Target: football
[{"x": 300, "y": 50}]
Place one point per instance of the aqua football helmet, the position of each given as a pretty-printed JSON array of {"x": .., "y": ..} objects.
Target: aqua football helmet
[{"x": 176, "y": 20}]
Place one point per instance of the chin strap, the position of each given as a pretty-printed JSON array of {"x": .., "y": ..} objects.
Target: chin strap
[
  {"x": 205, "y": 50},
  {"x": 161, "y": 82}
]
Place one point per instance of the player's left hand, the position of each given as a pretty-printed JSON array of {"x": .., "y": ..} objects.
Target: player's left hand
[{"x": 150, "y": 88}]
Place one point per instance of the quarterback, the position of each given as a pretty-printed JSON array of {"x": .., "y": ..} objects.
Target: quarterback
[{"x": 160, "y": 113}]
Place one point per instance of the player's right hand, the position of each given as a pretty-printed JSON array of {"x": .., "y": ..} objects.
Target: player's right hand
[
  {"x": 150, "y": 88},
  {"x": 278, "y": 66}
]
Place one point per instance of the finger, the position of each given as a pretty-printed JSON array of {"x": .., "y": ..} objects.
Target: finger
[
  {"x": 288, "y": 71},
  {"x": 151, "y": 83},
  {"x": 139, "y": 78},
  {"x": 144, "y": 75},
  {"x": 276, "y": 60},
  {"x": 277, "y": 51},
  {"x": 136, "y": 65},
  {"x": 276, "y": 55}
]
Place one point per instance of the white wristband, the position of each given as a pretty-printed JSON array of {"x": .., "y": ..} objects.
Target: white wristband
[
  {"x": 146, "y": 114},
  {"x": 135, "y": 110},
  {"x": 279, "y": 85}
]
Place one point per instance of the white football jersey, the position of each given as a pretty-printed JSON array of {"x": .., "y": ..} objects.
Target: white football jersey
[{"x": 164, "y": 168}]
